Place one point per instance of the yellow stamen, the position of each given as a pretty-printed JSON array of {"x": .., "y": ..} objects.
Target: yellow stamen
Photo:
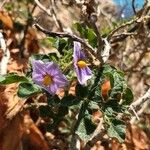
[
  {"x": 47, "y": 80},
  {"x": 81, "y": 64}
]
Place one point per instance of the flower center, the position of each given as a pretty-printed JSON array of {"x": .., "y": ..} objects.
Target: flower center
[
  {"x": 81, "y": 64},
  {"x": 47, "y": 80}
]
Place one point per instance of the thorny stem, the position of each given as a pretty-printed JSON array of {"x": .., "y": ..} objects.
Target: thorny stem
[
  {"x": 138, "y": 20},
  {"x": 43, "y": 8},
  {"x": 71, "y": 36},
  {"x": 121, "y": 27},
  {"x": 85, "y": 103}
]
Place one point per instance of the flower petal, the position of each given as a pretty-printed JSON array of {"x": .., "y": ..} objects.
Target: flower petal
[
  {"x": 78, "y": 54},
  {"x": 38, "y": 78},
  {"x": 38, "y": 67},
  {"x": 52, "y": 68},
  {"x": 83, "y": 75},
  {"x": 61, "y": 80},
  {"x": 53, "y": 88}
]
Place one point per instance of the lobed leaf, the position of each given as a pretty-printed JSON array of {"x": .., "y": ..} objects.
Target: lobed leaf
[
  {"x": 27, "y": 89},
  {"x": 12, "y": 78},
  {"x": 117, "y": 130},
  {"x": 86, "y": 128}
]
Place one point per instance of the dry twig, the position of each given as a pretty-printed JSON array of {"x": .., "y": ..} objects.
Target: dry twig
[
  {"x": 139, "y": 105},
  {"x": 90, "y": 50}
]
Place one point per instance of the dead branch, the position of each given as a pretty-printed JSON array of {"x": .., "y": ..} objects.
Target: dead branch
[
  {"x": 144, "y": 106},
  {"x": 137, "y": 62},
  {"x": 47, "y": 11},
  {"x": 133, "y": 6},
  {"x": 138, "y": 104},
  {"x": 121, "y": 27},
  {"x": 90, "y": 50}
]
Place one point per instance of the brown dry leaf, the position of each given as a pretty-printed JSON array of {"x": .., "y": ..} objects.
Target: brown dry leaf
[
  {"x": 33, "y": 135},
  {"x": 115, "y": 145},
  {"x": 10, "y": 120},
  {"x": 6, "y": 20},
  {"x": 10, "y": 104},
  {"x": 32, "y": 43},
  {"x": 17, "y": 65},
  {"x": 3, "y": 108},
  {"x": 13, "y": 126},
  {"x": 98, "y": 146},
  {"x": 136, "y": 139},
  {"x": 10, "y": 137},
  {"x": 139, "y": 138}
]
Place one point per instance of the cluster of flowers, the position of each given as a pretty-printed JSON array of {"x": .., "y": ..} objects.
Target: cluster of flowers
[{"x": 49, "y": 76}]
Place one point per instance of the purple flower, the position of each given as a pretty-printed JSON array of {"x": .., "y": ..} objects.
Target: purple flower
[
  {"x": 48, "y": 75},
  {"x": 82, "y": 70}
]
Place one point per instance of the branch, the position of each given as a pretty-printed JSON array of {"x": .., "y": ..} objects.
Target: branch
[
  {"x": 90, "y": 50},
  {"x": 137, "y": 62},
  {"x": 144, "y": 106},
  {"x": 133, "y": 6},
  {"x": 137, "y": 20},
  {"x": 139, "y": 103},
  {"x": 3, "y": 3},
  {"x": 121, "y": 27},
  {"x": 47, "y": 11},
  {"x": 54, "y": 15},
  {"x": 106, "y": 52}
]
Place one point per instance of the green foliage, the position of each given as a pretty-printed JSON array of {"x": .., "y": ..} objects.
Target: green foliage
[
  {"x": 127, "y": 96},
  {"x": 57, "y": 117},
  {"x": 66, "y": 101},
  {"x": 61, "y": 44},
  {"x": 86, "y": 128},
  {"x": 87, "y": 33},
  {"x": 116, "y": 129},
  {"x": 27, "y": 89},
  {"x": 87, "y": 98},
  {"x": 69, "y": 100},
  {"x": 119, "y": 97},
  {"x": 12, "y": 78},
  {"x": 9, "y": 6},
  {"x": 81, "y": 91},
  {"x": 46, "y": 111},
  {"x": 45, "y": 58}
]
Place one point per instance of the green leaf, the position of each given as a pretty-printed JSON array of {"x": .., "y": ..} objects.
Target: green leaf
[
  {"x": 80, "y": 29},
  {"x": 60, "y": 44},
  {"x": 87, "y": 33},
  {"x": 81, "y": 91},
  {"x": 109, "y": 111},
  {"x": 46, "y": 58},
  {"x": 12, "y": 78},
  {"x": 127, "y": 96},
  {"x": 112, "y": 108},
  {"x": 26, "y": 90},
  {"x": 93, "y": 105},
  {"x": 117, "y": 130},
  {"x": 92, "y": 38},
  {"x": 52, "y": 100},
  {"x": 69, "y": 100},
  {"x": 45, "y": 111},
  {"x": 86, "y": 128},
  {"x": 57, "y": 118}
]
